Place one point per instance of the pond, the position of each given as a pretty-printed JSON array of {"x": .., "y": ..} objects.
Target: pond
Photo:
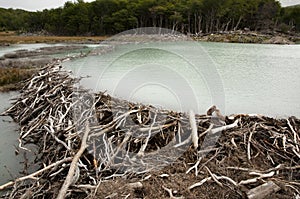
[{"x": 239, "y": 78}]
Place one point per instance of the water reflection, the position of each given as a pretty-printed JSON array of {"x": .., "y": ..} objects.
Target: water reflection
[{"x": 9, "y": 162}]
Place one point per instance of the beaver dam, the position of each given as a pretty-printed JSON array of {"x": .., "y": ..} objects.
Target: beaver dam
[{"x": 96, "y": 146}]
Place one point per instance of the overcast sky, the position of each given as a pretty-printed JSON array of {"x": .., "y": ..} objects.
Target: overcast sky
[{"x": 34, "y": 5}]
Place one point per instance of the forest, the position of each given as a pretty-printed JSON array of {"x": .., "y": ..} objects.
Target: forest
[{"x": 107, "y": 17}]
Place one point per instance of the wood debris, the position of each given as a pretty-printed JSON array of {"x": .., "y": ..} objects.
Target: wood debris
[{"x": 85, "y": 138}]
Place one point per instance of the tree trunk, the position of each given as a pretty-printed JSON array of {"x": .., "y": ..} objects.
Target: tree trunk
[
  {"x": 189, "y": 23},
  {"x": 154, "y": 21},
  {"x": 238, "y": 23},
  {"x": 207, "y": 25},
  {"x": 160, "y": 23},
  {"x": 199, "y": 23},
  {"x": 227, "y": 25},
  {"x": 232, "y": 25},
  {"x": 211, "y": 25},
  {"x": 217, "y": 25},
  {"x": 195, "y": 23},
  {"x": 173, "y": 27}
]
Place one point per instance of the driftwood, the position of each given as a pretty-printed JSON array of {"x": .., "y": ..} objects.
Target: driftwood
[
  {"x": 69, "y": 179},
  {"x": 263, "y": 190},
  {"x": 33, "y": 175},
  {"x": 125, "y": 139}
]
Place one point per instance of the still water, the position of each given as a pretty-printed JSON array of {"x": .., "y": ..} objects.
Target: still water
[
  {"x": 9, "y": 163},
  {"x": 238, "y": 78}
]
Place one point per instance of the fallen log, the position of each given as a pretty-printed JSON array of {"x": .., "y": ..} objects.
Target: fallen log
[{"x": 263, "y": 191}]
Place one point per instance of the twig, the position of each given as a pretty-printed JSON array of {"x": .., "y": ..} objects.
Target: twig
[
  {"x": 171, "y": 194},
  {"x": 194, "y": 128},
  {"x": 33, "y": 175},
  {"x": 249, "y": 146},
  {"x": 224, "y": 128},
  {"x": 200, "y": 183},
  {"x": 195, "y": 167},
  {"x": 295, "y": 134},
  {"x": 213, "y": 176},
  {"x": 73, "y": 166},
  {"x": 261, "y": 176}
]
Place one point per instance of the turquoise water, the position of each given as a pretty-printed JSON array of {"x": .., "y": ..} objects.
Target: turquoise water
[{"x": 239, "y": 78}]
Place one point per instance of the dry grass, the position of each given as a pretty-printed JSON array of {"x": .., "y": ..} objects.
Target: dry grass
[
  {"x": 7, "y": 33},
  {"x": 10, "y": 77},
  {"x": 11, "y": 37}
]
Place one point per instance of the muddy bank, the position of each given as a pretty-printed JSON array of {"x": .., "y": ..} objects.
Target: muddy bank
[
  {"x": 249, "y": 37},
  {"x": 35, "y": 58},
  {"x": 96, "y": 146}
]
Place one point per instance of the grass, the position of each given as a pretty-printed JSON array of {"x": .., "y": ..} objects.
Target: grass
[
  {"x": 7, "y": 33},
  {"x": 11, "y": 77},
  {"x": 13, "y": 38}
]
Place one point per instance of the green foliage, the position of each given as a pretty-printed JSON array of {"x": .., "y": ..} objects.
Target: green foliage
[
  {"x": 291, "y": 17},
  {"x": 106, "y": 17}
]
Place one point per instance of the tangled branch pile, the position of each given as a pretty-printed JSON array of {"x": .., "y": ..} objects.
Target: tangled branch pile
[{"x": 85, "y": 140}]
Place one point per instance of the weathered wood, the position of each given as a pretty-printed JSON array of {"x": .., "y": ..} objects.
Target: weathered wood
[
  {"x": 123, "y": 135},
  {"x": 263, "y": 190}
]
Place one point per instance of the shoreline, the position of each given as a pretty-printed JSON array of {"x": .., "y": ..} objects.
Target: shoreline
[
  {"x": 253, "y": 37},
  {"x": 19, "y": 65},
  {"x": 225, "y": 37}
]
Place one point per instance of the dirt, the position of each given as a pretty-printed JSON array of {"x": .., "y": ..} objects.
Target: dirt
[{"x": 178, "y": 181}]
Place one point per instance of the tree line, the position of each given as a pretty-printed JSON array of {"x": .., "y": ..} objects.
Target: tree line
[{"x": 107, "y": 17}]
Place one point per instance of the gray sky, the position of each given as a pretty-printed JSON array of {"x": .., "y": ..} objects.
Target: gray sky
[{"x": 34, "y": 5}]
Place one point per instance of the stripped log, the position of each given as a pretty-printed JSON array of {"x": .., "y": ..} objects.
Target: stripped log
[{"x": 263, "y": 191}]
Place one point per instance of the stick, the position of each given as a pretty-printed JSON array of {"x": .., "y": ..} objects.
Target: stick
[
  {"x": 200, "y": 183},
  {"x": 253, "y": 180},
  {"x": 225, "y": 128},
  {"x": 171, "y": 194},
  {"x": 249, "y": 146},
  {"x": 194, "y": 129},
  {"x": 69, "y": 178},
  {"x": 195, "y": 167},
  {"x": 213, "y": 176},
  {"x": 263, "y": 191},
  {"x": 295, "y": 134},
  {"x": 31, "y": 176}
]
